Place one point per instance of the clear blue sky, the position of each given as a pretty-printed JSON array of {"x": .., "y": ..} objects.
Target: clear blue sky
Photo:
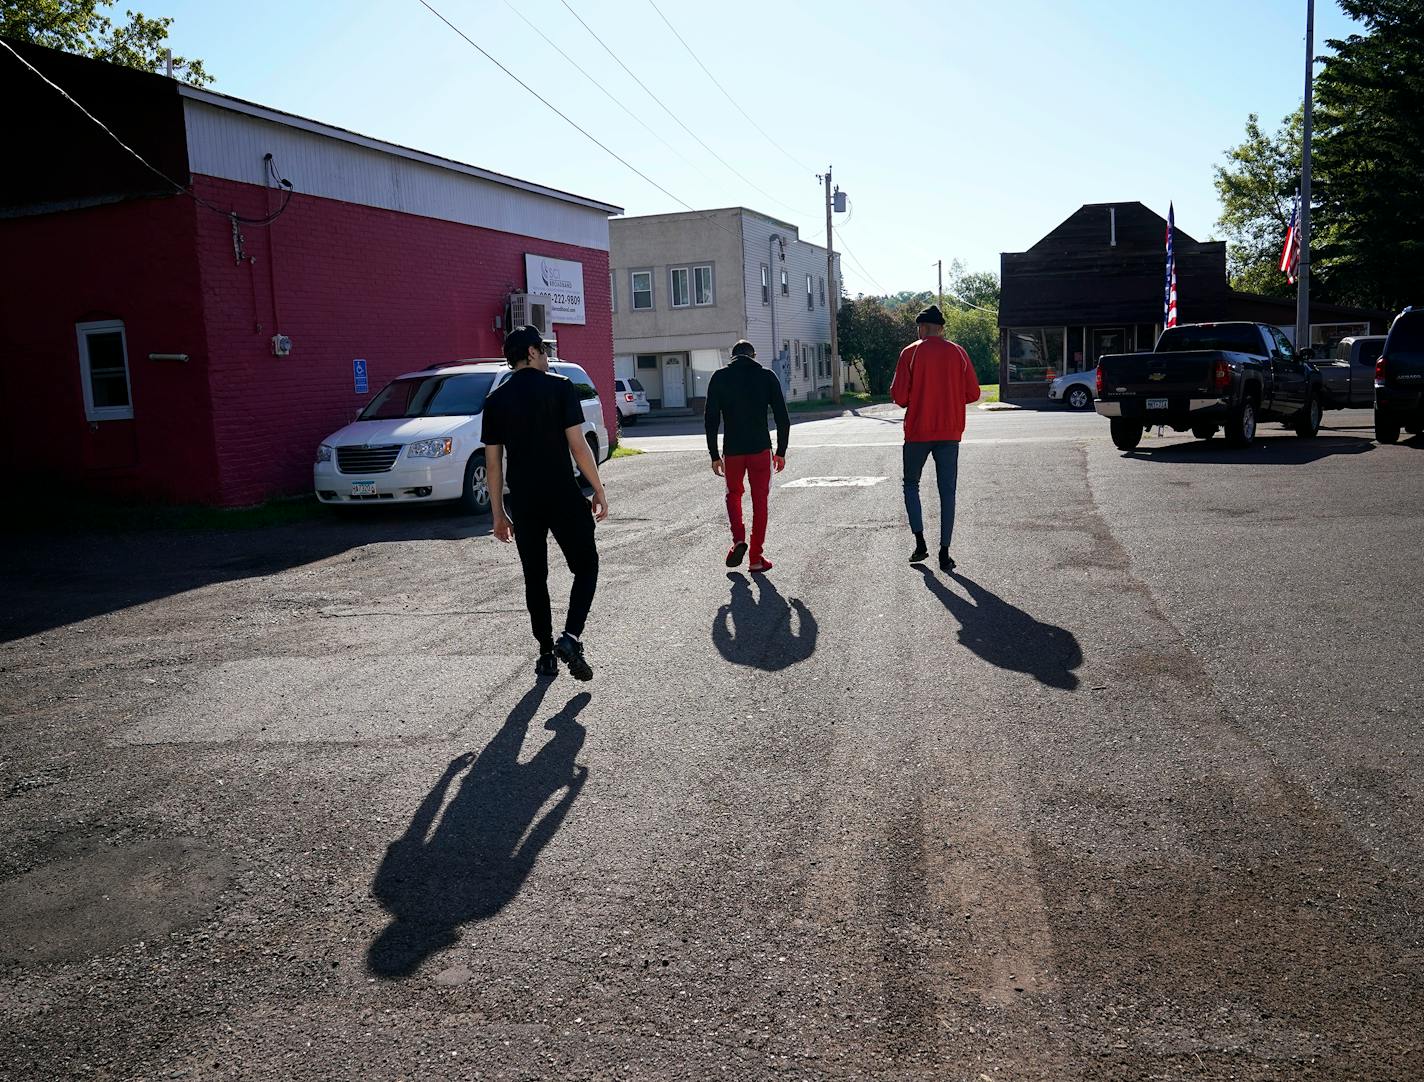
[{"x": 959, "y": 130}]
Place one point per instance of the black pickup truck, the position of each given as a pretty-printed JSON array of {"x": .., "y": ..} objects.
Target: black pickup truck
[{"x": 1208, "y": 376}]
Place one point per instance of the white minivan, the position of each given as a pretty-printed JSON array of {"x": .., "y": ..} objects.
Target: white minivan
[{"x": 419, "y": 440}]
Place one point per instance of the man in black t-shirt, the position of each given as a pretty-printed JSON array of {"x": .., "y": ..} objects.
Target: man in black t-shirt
[{"x": 536, "y": 417}]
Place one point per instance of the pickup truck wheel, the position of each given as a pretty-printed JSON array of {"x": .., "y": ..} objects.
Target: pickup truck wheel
[
  {"x": 1309, "y": 424},
  {"x": 1078, "y": 397},
  {"x": 1126, "y": 433},
  {"x": 1203, "y": 432},
  {"x": 1386, "y": 428},
  {"x": 1241, "y": 425},
  {"x": 476, "y": 497}
]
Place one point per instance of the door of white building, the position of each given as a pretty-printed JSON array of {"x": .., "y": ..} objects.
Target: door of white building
[{"x": 674, "y": 381}]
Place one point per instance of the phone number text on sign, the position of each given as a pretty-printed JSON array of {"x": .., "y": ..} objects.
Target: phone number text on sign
[{"x": 561, "y": 280}]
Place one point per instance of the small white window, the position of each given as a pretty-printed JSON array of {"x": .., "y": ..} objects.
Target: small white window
[
  {"x": 681, "y": 295},
  {"x": 765, "y": 284},
  {"x": 785, "y": 284},
  {"x": 104, "y": 368},
  {"x": 810, "y": 295},
  {"x": 702, "y": 285},
  {"x": 642, "y": 290}
]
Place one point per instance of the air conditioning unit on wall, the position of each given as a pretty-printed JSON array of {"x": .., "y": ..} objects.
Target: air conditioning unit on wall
[{"x": 531, "y": 308}]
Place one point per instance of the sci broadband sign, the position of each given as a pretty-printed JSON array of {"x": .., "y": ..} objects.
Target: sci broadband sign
[{"x": 562, "y": 281}]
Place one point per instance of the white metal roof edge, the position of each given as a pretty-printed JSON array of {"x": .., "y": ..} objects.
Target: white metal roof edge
[{"x": 291, "y": 120}]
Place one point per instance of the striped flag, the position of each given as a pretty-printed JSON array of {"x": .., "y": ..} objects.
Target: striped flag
[
  {"x": 1290, "y": 250},
  {"x": 1169, "y": 299}
]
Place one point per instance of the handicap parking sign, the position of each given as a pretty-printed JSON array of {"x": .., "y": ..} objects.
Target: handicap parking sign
[{"x": 358, "y": 371}]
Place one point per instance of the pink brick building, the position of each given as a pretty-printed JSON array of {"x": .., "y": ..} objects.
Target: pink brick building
[{"x": 137, "y": 322}]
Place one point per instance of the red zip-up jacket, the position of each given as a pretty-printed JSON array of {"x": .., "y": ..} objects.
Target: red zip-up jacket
[{"x": 934, "y": 381}]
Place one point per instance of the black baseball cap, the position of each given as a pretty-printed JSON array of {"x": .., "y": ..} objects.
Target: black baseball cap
[{"x": 518, "y": 341}]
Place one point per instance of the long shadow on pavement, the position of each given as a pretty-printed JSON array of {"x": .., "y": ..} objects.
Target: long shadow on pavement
[
  {"x": 1007, "y": 637},
  {"x": 756, "y": 629},
  {"x": 486, "y": 843},
  {"x": 57, "y": 576},
  {"x": 1266, "y": 451}
]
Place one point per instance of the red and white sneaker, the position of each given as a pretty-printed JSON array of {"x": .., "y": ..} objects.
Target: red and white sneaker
[{"x": 761, "y": 565}]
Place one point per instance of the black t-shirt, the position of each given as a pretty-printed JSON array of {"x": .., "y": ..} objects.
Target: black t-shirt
[{"x": 528, "y": 414}]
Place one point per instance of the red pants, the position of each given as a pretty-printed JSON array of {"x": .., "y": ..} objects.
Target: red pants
[{"x": 757, "y": 470}]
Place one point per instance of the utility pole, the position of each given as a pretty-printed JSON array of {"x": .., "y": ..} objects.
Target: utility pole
[
  {"x": 833, "y": 290},
  {"x": 939, "y": 270},
  {"x": 1302, "y": 301}
]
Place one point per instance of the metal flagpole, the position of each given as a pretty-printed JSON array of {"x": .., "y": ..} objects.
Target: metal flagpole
[{"x": 1302, "y": 302}]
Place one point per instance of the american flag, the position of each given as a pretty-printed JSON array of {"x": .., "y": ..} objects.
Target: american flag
[
  {"x": 1290, "y": 250},
  {"x": 1169, "y": 299}
]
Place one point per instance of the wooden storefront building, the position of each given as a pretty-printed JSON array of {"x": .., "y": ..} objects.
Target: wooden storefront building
[{"x": 1095, "y": 285}]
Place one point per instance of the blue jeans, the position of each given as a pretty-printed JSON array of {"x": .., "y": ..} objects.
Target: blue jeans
[{"x": 946, "y": 457}]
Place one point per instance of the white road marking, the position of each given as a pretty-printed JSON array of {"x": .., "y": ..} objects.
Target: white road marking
[{"x": 833, "y": 482}]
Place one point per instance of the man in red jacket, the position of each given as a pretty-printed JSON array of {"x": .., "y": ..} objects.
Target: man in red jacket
[{"x": 934, "y": 381}]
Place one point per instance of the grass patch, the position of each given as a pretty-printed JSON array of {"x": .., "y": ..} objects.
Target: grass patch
[
  {"x": 625, "y": 452},
  {"x": 988, "y": 392},
  {"x": 849, "y": 400}
]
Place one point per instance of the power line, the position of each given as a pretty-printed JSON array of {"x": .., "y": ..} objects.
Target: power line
[
  {"x": 607, "y": 93},
  {"x": 795, "y": 161},
  {"x": 556, "y": 110},
  {"x": 731, "y": 168},
  {"x": 846, "y": 250},
  {"x": 178, "y": 189}
]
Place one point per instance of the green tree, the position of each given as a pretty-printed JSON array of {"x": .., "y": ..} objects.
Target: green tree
[
  {"x": 979, "y": 289},
  {"x": 1257, "y": 187},
  {"x": 77, "y": 26},
  {"x": 872, "y": 333},
  {"x": 1367, "y": 155},
  {"x": 978, "y": 333}
]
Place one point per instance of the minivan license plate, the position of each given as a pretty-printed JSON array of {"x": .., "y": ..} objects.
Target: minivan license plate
[
  {"x": 363, "y": 488},
  {"x": 1156, "y": 403}
]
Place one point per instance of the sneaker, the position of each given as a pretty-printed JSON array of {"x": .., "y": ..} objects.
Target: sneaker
[
  {"x": 761, "y": 565},
  {"x": 570, "y": 651},
  {"x": 946, "y": 561},
  {"x": 735, "y": 554},
  {"x": 920, "y": 553},
  {"x": 547, "y": 666}
]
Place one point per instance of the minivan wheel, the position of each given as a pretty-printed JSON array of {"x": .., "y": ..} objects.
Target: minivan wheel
[
  {"x": 476, "y": 497},
  {"x": 1126, "y": 433},
  {"x": 1241, "y": 425},
  {"x": 1203, "y": 432},
  {"x": 1309, "y": 423},
  {"x": 1079, "y": 398},
  {"x": 1386, "y": 428}
]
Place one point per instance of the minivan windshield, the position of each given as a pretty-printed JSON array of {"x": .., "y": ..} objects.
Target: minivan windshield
[
  {"x": 1222, "y": 337},
  {"x": 435, "y": 395}
]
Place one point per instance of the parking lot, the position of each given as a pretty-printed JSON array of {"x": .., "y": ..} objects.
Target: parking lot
[{"x": 1135, "y": 794}]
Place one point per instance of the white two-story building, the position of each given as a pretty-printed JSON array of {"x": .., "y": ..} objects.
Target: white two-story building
[{"x": 686, "y": 286}]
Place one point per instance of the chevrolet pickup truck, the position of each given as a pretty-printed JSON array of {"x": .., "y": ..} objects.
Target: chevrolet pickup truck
[{"x": 1202, "y": 377}]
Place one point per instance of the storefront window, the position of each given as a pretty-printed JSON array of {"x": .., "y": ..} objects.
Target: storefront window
[
  {"x": 1035, "y": 353},
  {"x": 1324, "y": 337}
]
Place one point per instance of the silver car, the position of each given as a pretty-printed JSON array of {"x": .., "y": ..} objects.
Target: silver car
[
  {"x": 1076, "y": 389},
  {"x": 632, "y": 400}
]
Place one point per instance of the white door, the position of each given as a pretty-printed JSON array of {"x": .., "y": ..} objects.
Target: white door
[{"x": 674, "y": 381}]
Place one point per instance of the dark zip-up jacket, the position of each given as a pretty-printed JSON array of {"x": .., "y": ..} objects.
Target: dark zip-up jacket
[{"x": 738, "y": 397}]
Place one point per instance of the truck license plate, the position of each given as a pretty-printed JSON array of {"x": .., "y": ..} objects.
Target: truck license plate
[
  {"x": 1156, "y": 403},
  {"x": 363, "y": 488}
]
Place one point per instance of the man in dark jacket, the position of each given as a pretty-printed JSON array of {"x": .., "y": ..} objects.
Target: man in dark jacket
[
  {"x": 536, "y": 417},
  {"x": 738, "y": 397}
]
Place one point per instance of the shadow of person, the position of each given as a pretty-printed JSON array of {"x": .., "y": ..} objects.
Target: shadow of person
[
  {"x": 1008, "y": 637},
  {"x": 757, "y": 629},
  {"x": 485, "y": 844}
]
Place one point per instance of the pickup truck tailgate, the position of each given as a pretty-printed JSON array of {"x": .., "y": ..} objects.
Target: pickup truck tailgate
[{"x": 1159, "y": 375}]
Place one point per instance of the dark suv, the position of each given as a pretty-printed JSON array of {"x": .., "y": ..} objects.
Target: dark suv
[{"x": 1399, "y": 378}]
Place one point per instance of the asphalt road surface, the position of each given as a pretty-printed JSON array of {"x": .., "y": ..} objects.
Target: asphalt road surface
[{"x": 1137, "y": 793}]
